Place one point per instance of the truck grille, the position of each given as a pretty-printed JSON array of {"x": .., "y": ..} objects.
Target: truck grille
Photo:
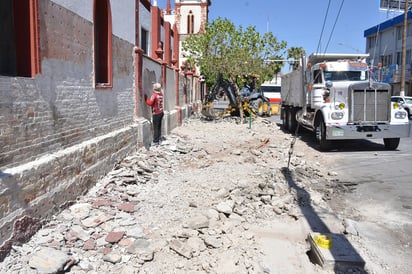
[{"x": 369, "y": 105}]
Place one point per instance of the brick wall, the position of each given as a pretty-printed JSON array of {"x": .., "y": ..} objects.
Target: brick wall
[
  {"x": 60, "y": 107},
  {"x": 38, "y": 189},
  {"x": 59, "y": 134}
]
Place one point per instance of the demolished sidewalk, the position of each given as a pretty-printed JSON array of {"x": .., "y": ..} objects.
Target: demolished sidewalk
[{"x": 215, "y": 197}]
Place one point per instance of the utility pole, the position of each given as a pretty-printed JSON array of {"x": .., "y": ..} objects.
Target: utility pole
[{"x": 405, "y": 24}]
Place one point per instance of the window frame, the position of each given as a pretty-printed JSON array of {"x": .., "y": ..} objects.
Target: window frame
[
  {"x": 102, "y": 38},
  {"x": 144, "y": 40},
  {"x": 24, "y": 39}
]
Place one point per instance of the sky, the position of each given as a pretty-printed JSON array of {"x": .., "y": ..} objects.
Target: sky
[{"x": 300, "y": 22}]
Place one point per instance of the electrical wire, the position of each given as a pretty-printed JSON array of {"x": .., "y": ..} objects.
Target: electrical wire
[
  {"x": 375, "y": 48},
  {"x": 334, "y": 25},
  {"x": 323, "y": 28}
]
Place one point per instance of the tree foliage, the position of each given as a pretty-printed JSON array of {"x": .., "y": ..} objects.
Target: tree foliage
[
  {"x": 295, "y": 53},
  {"x": 232, "y": 52}
]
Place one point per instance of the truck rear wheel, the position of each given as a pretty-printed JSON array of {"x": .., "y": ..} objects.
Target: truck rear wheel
[
  {"x": 391, "y": 143},
  {"x": 320, "y": 131},
  {"x": 292, "y": 123},
  {"x": 285, "y": 119}
]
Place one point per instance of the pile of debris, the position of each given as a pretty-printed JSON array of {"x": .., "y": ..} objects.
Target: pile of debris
[{"x": 186, "y": 206}]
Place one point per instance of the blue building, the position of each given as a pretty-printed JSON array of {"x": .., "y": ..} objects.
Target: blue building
[{"x": 384, "y": 45}]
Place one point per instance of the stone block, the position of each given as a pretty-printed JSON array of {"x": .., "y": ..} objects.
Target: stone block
[{"x": 341, "y": 256}]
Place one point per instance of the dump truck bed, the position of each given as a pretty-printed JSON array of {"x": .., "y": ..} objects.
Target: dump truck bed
[{"x": 292, "y": 93}]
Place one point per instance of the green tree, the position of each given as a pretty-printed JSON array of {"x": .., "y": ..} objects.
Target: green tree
[
  {"x": 295, "y": 54},
  {"x": 232, "y": 52}
]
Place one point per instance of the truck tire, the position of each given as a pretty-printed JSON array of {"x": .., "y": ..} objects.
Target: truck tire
[
  {"x": 391, "y": 143},
  {"x": 320, "y": 131},
  {"x": 292, "y": 123},
  {"x": 285, "y": 122},
  {"x": 408, "y": 113}
]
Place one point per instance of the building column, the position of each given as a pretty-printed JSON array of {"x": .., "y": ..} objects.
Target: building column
[
  {"x": 167, "y": 45},
  {"x": 156, "y": 25},
  {"x": 138, "y": 59}
]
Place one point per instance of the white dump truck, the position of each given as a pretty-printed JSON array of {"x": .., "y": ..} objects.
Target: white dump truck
[{"x": 334, "y": 96}]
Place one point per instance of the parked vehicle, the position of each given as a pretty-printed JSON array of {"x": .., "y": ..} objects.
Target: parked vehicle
[
  {"x": 333, "y": 96},
  {"x": 405, "y": 102},
  {"x": 272, "y": 91}
]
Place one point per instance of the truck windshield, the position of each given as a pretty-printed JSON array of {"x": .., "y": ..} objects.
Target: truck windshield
[{"x": 345, "y": 75}]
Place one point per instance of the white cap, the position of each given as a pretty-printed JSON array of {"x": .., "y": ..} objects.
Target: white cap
[{"x": 157, "y": 86}]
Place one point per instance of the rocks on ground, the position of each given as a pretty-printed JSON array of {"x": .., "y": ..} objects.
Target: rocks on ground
[{"x": 187, "y": 206}]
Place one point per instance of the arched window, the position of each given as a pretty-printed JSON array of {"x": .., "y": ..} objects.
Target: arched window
[
  {"x": 19, "y": 46},
  {"x": 102, "y": 43},
  {"x": 190, "y": 22}
]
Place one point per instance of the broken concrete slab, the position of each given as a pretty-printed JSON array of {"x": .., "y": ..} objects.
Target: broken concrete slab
[
  {"x": 48, "y": 260},
  {"x": 340, "y": 256}
]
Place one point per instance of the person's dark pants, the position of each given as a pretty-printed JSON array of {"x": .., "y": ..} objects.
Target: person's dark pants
[{"x": 157, "y": 127}]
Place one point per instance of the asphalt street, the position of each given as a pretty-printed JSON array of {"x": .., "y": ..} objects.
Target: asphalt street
[{"x": 383, "y": 177}]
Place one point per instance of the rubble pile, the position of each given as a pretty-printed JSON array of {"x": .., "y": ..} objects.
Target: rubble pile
[{"x": 186, "y": 206}]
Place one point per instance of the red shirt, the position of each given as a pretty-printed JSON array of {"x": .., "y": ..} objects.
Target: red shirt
[{"x": 156, "y": 102}]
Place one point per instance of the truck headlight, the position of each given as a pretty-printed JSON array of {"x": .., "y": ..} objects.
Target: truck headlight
[
  {"x": 337, "y": 115},
  {"x": 400, "y": 114},
  {"x": 340, "y": 106}
]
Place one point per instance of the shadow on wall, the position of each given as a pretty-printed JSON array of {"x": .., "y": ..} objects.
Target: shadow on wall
[{"x": 149, "y": 77}]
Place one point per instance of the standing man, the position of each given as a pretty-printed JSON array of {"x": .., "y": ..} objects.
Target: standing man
[{"x": 156, "y": 102}]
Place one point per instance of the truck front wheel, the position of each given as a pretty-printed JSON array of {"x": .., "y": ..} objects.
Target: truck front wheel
[
  {"x": 324, "y": 144},
  {"x": 391, "y": 143}
]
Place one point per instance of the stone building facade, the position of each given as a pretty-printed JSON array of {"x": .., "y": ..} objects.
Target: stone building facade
[{"x": 73, "y": 75}]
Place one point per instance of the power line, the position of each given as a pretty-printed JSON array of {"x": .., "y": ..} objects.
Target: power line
[
  {"x": 333, "y": 28},
  {"x": 323, "y": 27}
]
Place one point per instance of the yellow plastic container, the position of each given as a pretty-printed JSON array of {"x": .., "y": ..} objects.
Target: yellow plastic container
[{"x": 323, "y": 241}]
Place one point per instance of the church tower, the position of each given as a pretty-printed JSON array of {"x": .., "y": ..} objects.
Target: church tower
[{"x": 191, "y": 17}]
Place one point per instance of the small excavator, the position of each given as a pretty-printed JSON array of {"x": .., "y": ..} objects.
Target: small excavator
[{"x": 249, "y": 101}]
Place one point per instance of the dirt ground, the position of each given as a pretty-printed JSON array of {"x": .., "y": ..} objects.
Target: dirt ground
[{"x": 220, "y": 196}]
